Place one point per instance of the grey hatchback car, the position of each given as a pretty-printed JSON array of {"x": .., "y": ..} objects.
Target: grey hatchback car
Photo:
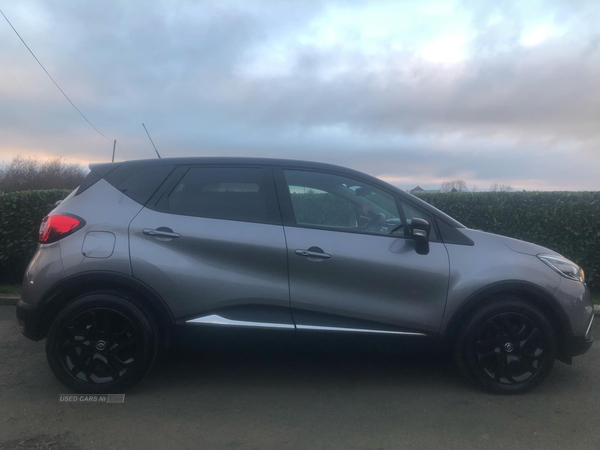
[{"x": 143, "y": 247}]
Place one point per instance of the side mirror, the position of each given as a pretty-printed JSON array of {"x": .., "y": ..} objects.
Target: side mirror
[{"x": 419, "y": 231}]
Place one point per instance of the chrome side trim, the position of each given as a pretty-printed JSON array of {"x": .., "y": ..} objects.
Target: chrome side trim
[
  {"x": 589, "y": 326},
  {"x": 215, "y": 319},
  {"x": 356, "y": 330}
]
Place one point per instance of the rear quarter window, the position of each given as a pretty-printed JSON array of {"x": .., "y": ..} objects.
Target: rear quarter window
[{"x": 139, "y": 183}]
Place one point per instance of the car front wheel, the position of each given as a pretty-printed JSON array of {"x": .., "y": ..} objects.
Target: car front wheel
[{"x": 507, "y": 346}]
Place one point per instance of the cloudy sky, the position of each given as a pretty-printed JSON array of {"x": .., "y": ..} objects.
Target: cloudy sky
[{"x": 411, "y": 92}]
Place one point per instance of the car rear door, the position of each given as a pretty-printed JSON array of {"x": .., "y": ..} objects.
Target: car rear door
[
  {"x": 211, "y": 243},
  {"x": 347, "y": 272}
]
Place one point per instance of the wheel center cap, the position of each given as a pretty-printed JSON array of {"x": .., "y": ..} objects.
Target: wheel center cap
[
  {"x": 508, "y": 347},
  {"x": 100, "y": 345}
]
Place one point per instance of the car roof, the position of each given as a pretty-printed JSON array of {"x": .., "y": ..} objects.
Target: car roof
[{"x": 222, "y": 160}]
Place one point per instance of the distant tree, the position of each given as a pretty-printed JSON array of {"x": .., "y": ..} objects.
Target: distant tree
[
  {"x": 501, "y": 188},
  {"x": 453, "y": 186},
  {"x": 474, "y": 188},
  {"x": 23, "y": 174}
]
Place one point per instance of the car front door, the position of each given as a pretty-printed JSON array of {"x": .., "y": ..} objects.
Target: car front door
[
  {"x": 351, "y": 267},
  {"x": 211, "y": 243}
]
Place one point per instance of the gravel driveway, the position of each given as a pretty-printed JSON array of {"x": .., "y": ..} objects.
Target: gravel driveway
[{"x": 278, "y": 398}]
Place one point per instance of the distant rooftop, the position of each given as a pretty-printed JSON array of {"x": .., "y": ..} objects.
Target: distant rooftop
[{"x": 426, "y": 191}]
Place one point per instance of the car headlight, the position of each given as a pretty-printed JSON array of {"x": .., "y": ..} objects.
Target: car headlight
[{"x": 564, "y": 267}]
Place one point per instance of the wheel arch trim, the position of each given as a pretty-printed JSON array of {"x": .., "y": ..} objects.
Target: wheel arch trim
[
  {"x": 79, "y": 283},
  {"x": 510, "y": 287}
]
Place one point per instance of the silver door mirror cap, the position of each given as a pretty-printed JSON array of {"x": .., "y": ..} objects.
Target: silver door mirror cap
[{"x": 419, "y": 230}]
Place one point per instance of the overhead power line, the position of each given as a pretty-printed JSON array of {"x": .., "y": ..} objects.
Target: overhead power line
[
  {"x": 121, "y": 150},
  {"x": 56, "y": 84}
]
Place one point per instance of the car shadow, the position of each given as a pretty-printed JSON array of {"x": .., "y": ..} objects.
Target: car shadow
[{"x": 292, "y": 360}]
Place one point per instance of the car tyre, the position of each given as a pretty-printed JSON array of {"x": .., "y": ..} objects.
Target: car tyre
[
  {"x": 507, "y": 346},
  {"x": 101, "y": 343}
]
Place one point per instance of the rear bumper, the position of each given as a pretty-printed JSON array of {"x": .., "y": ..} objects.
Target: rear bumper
[{"x": 28, "y": 316}]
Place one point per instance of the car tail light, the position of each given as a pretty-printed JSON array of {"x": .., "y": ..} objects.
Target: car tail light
[{"x": 58, "y": 226}]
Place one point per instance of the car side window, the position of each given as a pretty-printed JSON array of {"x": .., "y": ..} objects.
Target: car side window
[
  {"x": 336, "y": 202},
  {"x": 318, "y": 207},
  {"x": 220, "y": 193}
]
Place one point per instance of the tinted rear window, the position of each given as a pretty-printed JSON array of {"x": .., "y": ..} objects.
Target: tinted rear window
[
  {"x": 138, "y": 183},
  {"x": 91, "y": 179},
  {"x": 221, "y": 193}
]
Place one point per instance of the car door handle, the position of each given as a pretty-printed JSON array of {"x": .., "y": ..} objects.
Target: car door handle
[
  {"x": 312, "y": 254},
  {"x": 161, "y": 233}
]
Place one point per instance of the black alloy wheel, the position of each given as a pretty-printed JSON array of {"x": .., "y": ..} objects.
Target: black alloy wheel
[
  {"x": 510, "y": 348},
  {"x": 102, "y": 343},
  {"x": 507, "y": 346}
]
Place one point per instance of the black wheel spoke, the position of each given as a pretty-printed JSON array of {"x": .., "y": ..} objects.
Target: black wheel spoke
[
  {"x": 522, "y": 330},
  {"x": 119, "y": 365},
  {"x": 531, "y": 338},
  {"x": 488, "y": 343},
  {"x": 93, "y": 324},
  {"x": 486, "y": 355},
  {"x": 128, "y": 343},
  {"x": 68, "y": 344},
  {"x": 78, "y": 332},
  {"x": 501, "y": 367},
  {"x": 87, "y": 371},
  {"x": 106, "y": 323},
  {"x": 497, "y": 328},
  {"x": 110, "y": 369},
  {"x": 506, "y": 323},
  {"x": 120, "y": 333},
  {"x": 510, "y": 348},
  {"x": 77, "y": 365},
  {"x": 99, "y": 343},
  {"x": 529, "y": 365}
]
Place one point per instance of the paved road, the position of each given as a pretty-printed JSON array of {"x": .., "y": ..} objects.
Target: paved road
[{"x": 278, "y": 399}]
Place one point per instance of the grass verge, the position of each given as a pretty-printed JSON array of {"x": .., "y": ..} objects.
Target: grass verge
[{"x": 14, "y": 289}]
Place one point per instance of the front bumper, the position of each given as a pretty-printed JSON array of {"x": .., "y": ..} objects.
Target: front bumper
[
  {"x": 28, "y": 317},
  {"x": 578, "y": 345}
]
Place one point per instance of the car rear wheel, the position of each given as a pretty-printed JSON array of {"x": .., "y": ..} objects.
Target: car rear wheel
[
  {"x": 101, "y": 343},
  {"x": 507, "y": 346}
]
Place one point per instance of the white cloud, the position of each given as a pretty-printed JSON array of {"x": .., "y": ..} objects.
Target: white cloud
[
  {"x": 413, "y": 92},
  {"x": 450, "y": 49},
  {"x": 539, "y": 34}
]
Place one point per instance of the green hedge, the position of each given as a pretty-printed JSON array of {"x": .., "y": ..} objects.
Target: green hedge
[
  {"x": 20, "y": 216},
  {"x": 316, "y": 209},
  {"x": 566, "y": 222}
]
